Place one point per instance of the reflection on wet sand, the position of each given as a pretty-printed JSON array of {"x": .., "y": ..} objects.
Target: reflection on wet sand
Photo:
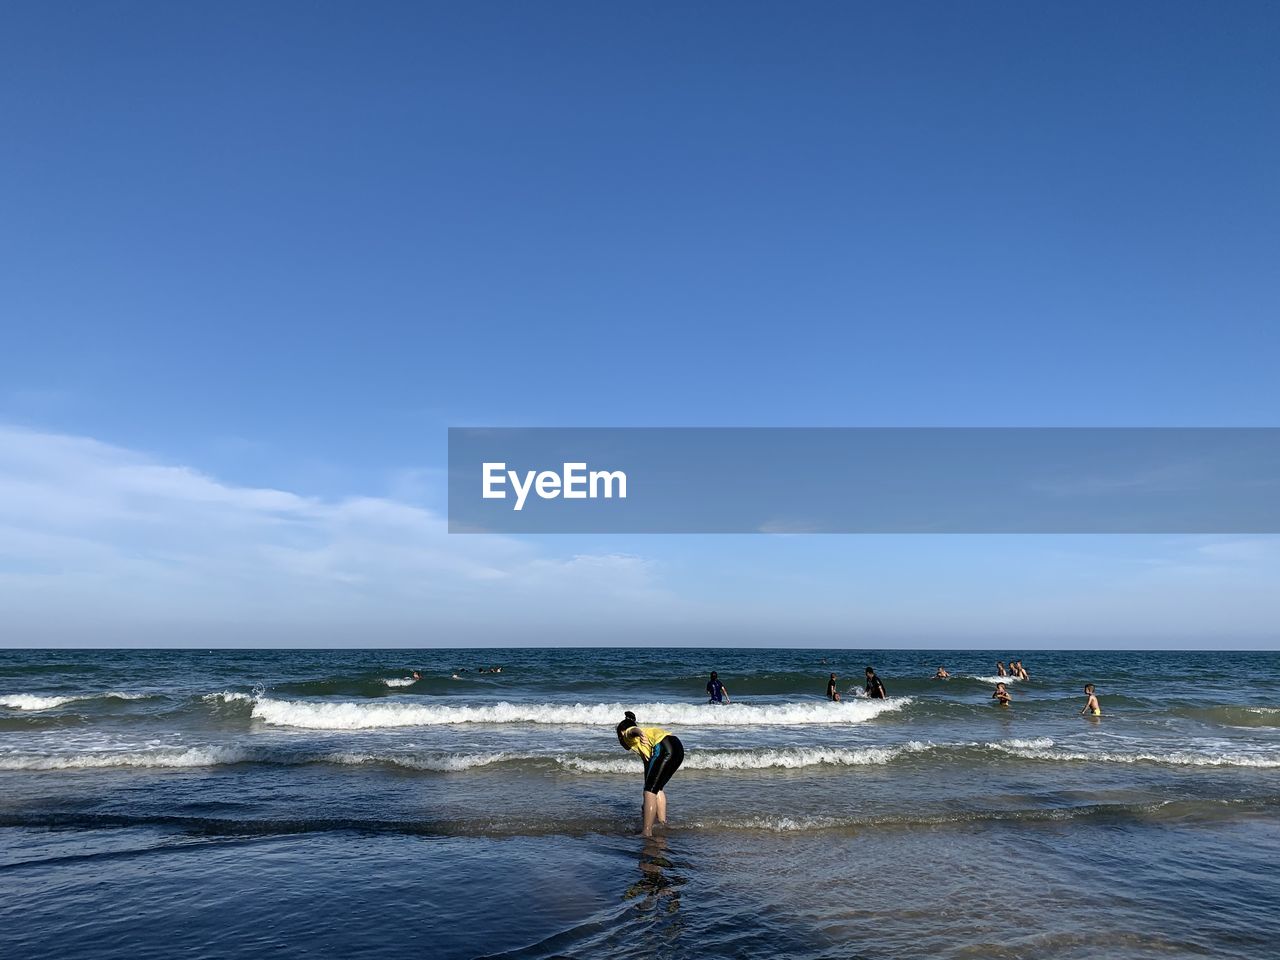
[{"x": 657, "y": 891}]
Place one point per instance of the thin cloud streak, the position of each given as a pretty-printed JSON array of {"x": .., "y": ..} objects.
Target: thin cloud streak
[{"x": 105, "y": 539}]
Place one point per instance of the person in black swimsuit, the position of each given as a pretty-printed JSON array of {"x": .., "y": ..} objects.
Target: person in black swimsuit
[
  {"x": 832, "y": 692},
  {"x": 716, "y": 690},
  {"x": 662, "y": 753},
  {"x": 875, "y": 689}
]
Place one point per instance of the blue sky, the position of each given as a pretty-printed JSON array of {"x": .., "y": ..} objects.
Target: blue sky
[{"x": 255, "y": 248}]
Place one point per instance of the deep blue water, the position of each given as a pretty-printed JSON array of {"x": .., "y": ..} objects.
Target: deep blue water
[{"x": 315, "y": 803}]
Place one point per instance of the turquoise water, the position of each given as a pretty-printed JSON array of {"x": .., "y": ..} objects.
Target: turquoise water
[{"x": 310, "y": 803}]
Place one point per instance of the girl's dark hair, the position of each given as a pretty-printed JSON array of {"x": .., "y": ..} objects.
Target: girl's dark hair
[{"x": 626, "y": 724}]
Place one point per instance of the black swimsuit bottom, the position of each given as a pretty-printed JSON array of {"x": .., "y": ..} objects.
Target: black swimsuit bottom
[{"x": 668, "y": 753}]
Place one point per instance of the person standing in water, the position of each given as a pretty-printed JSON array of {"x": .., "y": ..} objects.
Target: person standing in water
[
  {"x": 1091, "y": 706},
  {"x": 716, "y": 690},
  {"x": 942, "y": 674},
  {"x": 832, "y": 692},
  {"x": 1002, "y": 694},
  {"x": 874, "y": 688},
  {"x": 1000, "y": 671},
  {"x": 662, "y": 753}
]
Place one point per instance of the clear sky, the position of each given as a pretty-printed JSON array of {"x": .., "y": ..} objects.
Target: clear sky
[{"x": 255, "y": 258}]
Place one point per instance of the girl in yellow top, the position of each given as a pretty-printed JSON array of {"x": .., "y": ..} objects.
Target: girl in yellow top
[{"x": 662, "y": 754}]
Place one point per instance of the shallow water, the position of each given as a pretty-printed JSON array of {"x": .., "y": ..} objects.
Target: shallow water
[{"x": 312, "y": 803}]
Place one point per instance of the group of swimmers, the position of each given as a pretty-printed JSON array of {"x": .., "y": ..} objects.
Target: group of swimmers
[
  {"x": 1017, "y": 671},
  {"x": 477, "y": 670},
  {"x": 662, "y": 752},
  {"x": 874, "y": 688},
  {"x": 1091, "y": 706},
  {"x": 717, "y": 692}
]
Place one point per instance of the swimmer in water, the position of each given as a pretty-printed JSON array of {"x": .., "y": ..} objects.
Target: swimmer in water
[
  {"x": 1017, "y": 670},
  {"x": 942, "y": 674},
  {"x": 1000, "y": 671},
  {"x": 874, "y": 688},
  {"x": 1091, "y": 706},
  {"x": 662, "y": 753},
  {"x": 716, "y": 690},
  {"x": 1002, "y": 695},
  {"x": 417, "y": 675},
  {"x": 832, "y": 692}
]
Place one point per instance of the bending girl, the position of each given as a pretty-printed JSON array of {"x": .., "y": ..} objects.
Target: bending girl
[{"x": 662, "y": 753}]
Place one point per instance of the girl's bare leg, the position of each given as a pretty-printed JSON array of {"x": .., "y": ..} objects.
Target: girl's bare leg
[
  {"x": 650, "y": 810},
  {"x": 662, "y": 807}
]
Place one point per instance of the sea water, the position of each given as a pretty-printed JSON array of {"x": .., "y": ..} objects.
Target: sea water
[{"x": 237, "y": 803}]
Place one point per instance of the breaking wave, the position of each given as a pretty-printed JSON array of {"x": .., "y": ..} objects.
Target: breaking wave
[
  {"x": 363, "y": 716},
  {"x": 1045, "y": 749},
  {"x": 991, "y": 680},
  {"x": 31, "y": 701},
  {"x": 763, "y": 759},
  {"x": 188, "y": 757},
  {"x": 227, "y": 696}
]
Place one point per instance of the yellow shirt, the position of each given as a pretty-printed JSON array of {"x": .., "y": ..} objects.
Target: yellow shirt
[{"x": 654, "y": 734}]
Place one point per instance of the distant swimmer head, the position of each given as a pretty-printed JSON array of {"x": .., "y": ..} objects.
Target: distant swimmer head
[
  {"x": 714, "y": 675},
  {"x": 628, "y": 723},
  {"x": 871, "y": 671},
  {"x": 1088, "y": 688}
]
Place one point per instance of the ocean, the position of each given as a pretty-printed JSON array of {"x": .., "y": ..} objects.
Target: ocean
[{"x": 321, "y": 803}]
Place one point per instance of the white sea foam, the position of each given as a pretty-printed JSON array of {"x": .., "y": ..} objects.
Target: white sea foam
[
  {"x": 188, "y": 757},
  {"x": 363, "y": 716},
  {"x": 28, "y": 701},
  {"x": 399, "y": 681},
  {"x": 31, "y": 701},
  {"x": 1044, "y": 749},
  {"x": 227, "y": 696},
  {"x": 991, "y": 680},
  {"x": 782, "y": 758},
  {"x": 442, "y": 763},
  {"x": 776, "y": 824}
]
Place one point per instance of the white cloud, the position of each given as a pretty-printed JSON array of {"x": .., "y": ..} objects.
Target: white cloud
[
  {"x": 1245, "y": 549},
  {"x": 99, "y": 543}
]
